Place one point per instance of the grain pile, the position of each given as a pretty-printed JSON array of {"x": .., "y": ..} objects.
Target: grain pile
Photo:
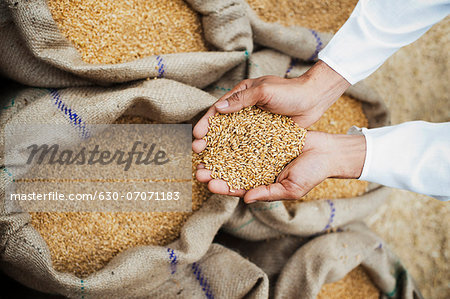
[
  {"x": 82, "y": 242},
  {"x": 343, "y": 114},
  {"x": 325, "y": 15},
  {"x": 120, "y": 31},
  {"x": 355, "y": 285},
  {"x": 250, "y": 147}
]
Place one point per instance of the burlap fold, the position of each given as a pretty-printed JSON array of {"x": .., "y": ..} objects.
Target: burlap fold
[
  {"x": 140, "y": 271},
  {"x": 299, "y": 267}
]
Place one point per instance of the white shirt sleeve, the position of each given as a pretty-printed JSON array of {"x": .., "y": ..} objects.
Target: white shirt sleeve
[
  {"x": 377, "y": 29},
  {"x": 413, "y": 155}
]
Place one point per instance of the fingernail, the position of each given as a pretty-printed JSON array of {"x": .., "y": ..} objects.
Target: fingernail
[
  {"x": 250, "y": 201},
  {"x": 222, "y": 104}
]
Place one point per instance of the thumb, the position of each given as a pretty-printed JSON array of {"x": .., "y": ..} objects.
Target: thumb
[
  {"x": 271, "y": 192},
  {"x": 238, "y": 101}
]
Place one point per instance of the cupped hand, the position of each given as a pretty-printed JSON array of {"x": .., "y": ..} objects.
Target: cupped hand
[
  {"x": 324, "y": 155},
  {"x": 304, "y": 99}
]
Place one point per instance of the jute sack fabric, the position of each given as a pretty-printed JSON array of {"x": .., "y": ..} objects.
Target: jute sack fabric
[
  {"x": 231, "y": 276},
  {"x": 299, "y": 267},
  {"x": 141, "y": 272},
  {"x": 261, "y": 220},
  {"x": 330, "y": 257},
  {"x": 35, "y": 53},
  {"x": 162, "y": 100},
  {"x": 187, "y": 265}
]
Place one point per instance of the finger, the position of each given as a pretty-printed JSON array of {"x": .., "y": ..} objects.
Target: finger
[
  {"x": 239, "y": 100},
  {"x": 244, "y": 84},
  {"x": 198, "y": 145},
  {"x": 221, "y": 187},
  {"x": 271, "y": 192},
  {"x": 285, "y": 172},
  {"x": 201, "y": 128},
  {"x": 203, "y": 175},
  {"x": 302, "y": 174}
]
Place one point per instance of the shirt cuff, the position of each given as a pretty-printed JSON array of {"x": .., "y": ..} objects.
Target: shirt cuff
[
  {"x": 368, "y": 161},
  {"x": 337, "y": 68}
]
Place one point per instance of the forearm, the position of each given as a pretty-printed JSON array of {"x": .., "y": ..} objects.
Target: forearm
[
  {"x": 324, "y": 83},
  {"x": 341, "y": 155},
  {"x": 347, "y": 156}
]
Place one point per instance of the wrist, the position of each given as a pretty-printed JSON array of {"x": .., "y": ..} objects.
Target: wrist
[
  {"x": 325, "y": 84},
  {"x": 347, "y": 154}
]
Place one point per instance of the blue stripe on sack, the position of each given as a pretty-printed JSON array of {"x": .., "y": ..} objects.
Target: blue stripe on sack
[
  {"x": 5, "y": 170},
  {"x": 319, "y": 45},
  {"x": 173, "y": 260},
  {"x": 293, "y": 63},
  {"x": 202, "y": 280},
  {"x": 247, "y": 57},
  {"x": 160, "y": 66},
  {"x": 271, "y": 206},
  {"x": 82, "y": 288},
  {"x": 400, "y": 275},
  {"x": 10, "y": 105},
  {"x": 244, "y": 225},
  {"x": 74, "y": 118},
  {"x": 332, "y": 214},
  {"x": 221, "y": 88}
]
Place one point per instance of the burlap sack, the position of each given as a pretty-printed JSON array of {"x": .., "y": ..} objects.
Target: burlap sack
[
  {"x": 35, "y": 53},
  {"x": 162, "y": 100},
  {"x": 221, "y": 273},
  {"x": 146, "y": 271},
  {"x": 299, "y": 267}
]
